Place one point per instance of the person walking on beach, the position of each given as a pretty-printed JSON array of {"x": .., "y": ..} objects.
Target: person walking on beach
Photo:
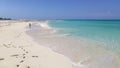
[{"x": 29, "y": 25}]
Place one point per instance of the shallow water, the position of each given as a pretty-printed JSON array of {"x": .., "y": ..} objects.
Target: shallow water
[
  {"x": 104, "y": 31},
  {"x": 84, "y": 50}
]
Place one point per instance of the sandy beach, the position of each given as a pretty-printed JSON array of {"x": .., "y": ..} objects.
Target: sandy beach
[
  {"x": 39, "y": 46},
  {"x": 18, "y": 50}
]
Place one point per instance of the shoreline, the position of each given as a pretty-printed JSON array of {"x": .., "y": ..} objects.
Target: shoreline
[
  {"x": 20, "y": 51},
  {"x": 80, "y": 55}
]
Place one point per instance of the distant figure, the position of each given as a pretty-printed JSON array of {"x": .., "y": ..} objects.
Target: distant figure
[{"x": 29, "y": 25}]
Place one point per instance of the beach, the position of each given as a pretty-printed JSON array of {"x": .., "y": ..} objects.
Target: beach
[
  {"x": 59, "y": 34},
  {"x": 19, "y": 50},
  {"x": 35, "y": 44}
]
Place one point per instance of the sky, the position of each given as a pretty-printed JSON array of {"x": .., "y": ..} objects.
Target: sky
[{"x": 60, "y": 9}]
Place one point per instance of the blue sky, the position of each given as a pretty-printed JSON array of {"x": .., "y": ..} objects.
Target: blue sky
[{"x": 60, "y": 9}]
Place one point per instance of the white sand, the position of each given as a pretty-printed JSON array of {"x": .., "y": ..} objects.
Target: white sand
[{"x": 17, "y": 48}]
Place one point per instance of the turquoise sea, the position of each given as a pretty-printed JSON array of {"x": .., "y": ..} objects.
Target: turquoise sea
[
  {"x": 105, "y": 31},
  {"x": 101, "y": 45},
  {"x": 86, "y": 43}
]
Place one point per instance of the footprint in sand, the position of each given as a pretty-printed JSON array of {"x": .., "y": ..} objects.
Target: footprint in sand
[
  {"x": 21, "y": 61},
  {"x": 23, "y": 54},
  {"x": 24, "y": 57},
  {"x": 18, "y": 65},
  {"x": 35, "y": 56},
  {"x": 23, "y": 49},
  {"x": 5, "y": 46},
  {"x": 14, "y": 55},
  {"x": 26, "y": 51},
  {"x": 1, "y": 59},
  {"x": 28, "y": 66}
]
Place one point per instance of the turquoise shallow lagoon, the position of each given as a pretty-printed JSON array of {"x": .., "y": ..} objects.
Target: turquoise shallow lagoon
[{"x": 104, "y": 31}]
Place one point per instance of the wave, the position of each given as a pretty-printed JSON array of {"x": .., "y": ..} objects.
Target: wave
[{"x": 45, "y": 25}]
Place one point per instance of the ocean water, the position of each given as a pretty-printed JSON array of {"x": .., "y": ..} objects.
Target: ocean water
[
  {"x": 87, "y": 43},
  {"x": 101, "y": 45},
  {"x": 105, "y": 31}
]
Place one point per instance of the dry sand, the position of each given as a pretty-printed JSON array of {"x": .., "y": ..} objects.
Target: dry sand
[{"x": 18, "y": 50}]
